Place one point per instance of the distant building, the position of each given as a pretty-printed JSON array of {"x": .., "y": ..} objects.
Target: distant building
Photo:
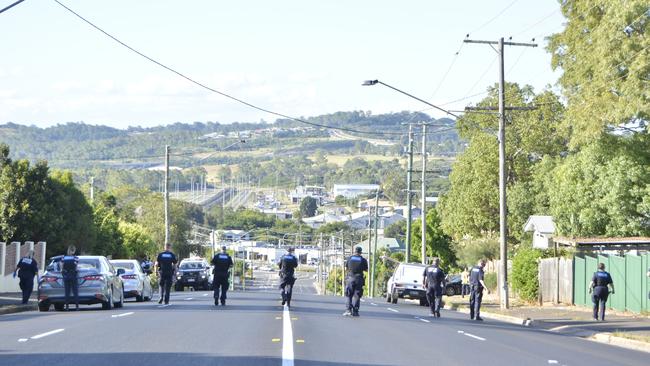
[
  {"x": 384, "y": 205},
  {"x": 416, "y": 212},
  {"x": 391, "y": 244},
  {"x": 319, "y": 193},
  {"x": 543, "y": 229},
  {"x": 235, "y": 235},
  {"x": 283, "y": 215},
  {"x": 353, "y": 190}
]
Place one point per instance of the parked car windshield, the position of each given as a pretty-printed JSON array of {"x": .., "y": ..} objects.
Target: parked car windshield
[
  {"x": 192, "y": 265},
  {"x": 128, "y": 266},
  {"x": 412, "y": 272}
]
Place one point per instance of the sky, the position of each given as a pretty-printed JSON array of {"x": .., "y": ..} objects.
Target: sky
[{"x": 295, "y": 57}]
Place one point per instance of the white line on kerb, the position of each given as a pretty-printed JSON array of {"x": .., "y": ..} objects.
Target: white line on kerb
[
  {"x": 189, "y": 298},
  {"x": 393, "y": 310},
  {"x": 205, "y": 294},
  {"x": 287, "y": 338},
  {"x": 47, "y": 333},
  {"x": 121, "y": 315}
]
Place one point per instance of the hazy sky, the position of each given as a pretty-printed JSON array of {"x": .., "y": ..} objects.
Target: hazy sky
[{"x": 297, "y": 57}]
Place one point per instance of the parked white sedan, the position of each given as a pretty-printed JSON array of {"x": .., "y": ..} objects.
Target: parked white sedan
[{"x": 136, "y": 281}]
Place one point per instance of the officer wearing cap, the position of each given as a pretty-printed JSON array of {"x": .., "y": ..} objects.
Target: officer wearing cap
[
  {"x": 27, "y": 268},
  {"x": 288, "y": 264},
  {"x": 166, "y": 263},
  {"x": 222, "y": 263},
  {"x": 599, "y": 283},
  {"x": 434, "y": 282},
  {"x": 477, "y": 285},
  {"x": 70, "y": 281},
  {"x": 355, "y": 265}
]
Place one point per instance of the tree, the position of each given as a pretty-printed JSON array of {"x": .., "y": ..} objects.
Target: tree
[
  {"x": 471, "y": 206},
  {"x": 308, "y": 206},
  {"x": 396, "y": 230},
  {"x": 438, "y": 244},
  {"x": 603, "y": 53},
  {"x": 136, "y": 240},
  {"x": 395, "y": 187}
]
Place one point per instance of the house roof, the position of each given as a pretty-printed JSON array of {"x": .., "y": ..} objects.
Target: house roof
[
  {"x": 390, "y": 243},
  {"x": 542, "y": 224}
]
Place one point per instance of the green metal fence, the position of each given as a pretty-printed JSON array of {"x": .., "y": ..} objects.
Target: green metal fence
[{"x": 630, "y": 280}]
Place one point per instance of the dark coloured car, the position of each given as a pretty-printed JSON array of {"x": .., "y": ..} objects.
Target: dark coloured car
[
  {"x": 193, "y": 273},
  {"x": 453, "y": 285}
]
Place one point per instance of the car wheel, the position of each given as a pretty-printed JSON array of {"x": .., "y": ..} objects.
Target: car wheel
[
  {"x": 108, "y": 305},
  {"x": 179, "y": 288},
  {"x": 388, "y": 298},
  {"x": 449, "y": 291},
  {"x": 44, "y": 306},
  {"x": 119, "y": 304},
  {"x": 424, "y": 302},
  {"x": 59, "y": 307},
  {"x": 394, "y": 297},
  {"x": 139, "y": 298}
]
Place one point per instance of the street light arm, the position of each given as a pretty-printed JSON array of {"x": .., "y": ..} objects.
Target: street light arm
[{"x": 373, "y": 82}]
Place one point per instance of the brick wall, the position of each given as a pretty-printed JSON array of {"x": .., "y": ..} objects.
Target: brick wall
[{"x": 10, "y": 257}]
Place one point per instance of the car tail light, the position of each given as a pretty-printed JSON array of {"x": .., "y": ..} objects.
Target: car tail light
[
  {"x": 94, "y": 278},
  {"x": 129, "y": 277}
]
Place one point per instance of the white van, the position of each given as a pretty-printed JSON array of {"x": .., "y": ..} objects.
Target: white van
[{"x": 406, "y": 283}]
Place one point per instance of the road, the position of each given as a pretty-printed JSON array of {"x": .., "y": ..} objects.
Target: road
[{"x": 254, "y": 329}]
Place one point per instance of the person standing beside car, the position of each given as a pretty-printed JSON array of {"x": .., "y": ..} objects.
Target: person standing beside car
[
  {"x": 70, "y": 281},
  {"x": 27, "y": 268},
  {"x": 477, "y": 285},
  {"x": 222, "y": 263},
  {"x": 166, "y": 263},
  {"x": 434, "y": 281},
  {"x": 355, "y": 265}
]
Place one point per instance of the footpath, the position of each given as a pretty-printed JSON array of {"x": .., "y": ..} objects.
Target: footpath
[
  {"x": 10, "y": 302},
  {"x": 620, "y": 329}
]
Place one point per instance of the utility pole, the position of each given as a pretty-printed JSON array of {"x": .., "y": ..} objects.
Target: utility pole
[
  {"x": 166, "y": 194},
  {"x": 92, "y": 189},
  {"x": 409, "y": 188},
  {"x": 374, "y": 250},
  {"x": 503, "y": 213},
  {"x": 424, "y": 193}
]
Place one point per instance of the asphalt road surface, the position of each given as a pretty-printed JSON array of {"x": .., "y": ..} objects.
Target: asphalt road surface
[{"x": 254, "y": 329}]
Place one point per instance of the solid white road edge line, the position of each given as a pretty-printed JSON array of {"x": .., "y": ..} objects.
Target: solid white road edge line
[
  {"x": 393, "y": 310},
  {"x": 47, "y": 333},
  {"x": 121, "y": 315},
  {"x": 287, "y": 338}
]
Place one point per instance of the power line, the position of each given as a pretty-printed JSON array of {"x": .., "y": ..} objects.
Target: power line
[
  {"x": 238, "y": 100},
  {"x": 10, "y": 6},
  {"x": 493, "y": 18}
]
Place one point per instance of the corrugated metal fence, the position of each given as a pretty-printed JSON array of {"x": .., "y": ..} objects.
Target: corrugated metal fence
[
  {"x": 630, "y": 280},
  {"x": 556, "y": 280}
]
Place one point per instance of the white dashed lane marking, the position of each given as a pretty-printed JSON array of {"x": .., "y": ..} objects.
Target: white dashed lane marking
[
  {"x": 38, "y": 336},
  {"x": 121, "y": 315},
  {"x": 422, "y": 320},
  {"x": 471, "y": 335},
  {"x": 393, "y": 310}
]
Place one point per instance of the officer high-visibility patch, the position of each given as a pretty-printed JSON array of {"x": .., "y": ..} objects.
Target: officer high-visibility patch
[
  {"x": 289, "y": 257},
  {"x": 27, "y": 260},
  {"x": 475, "y": 270},
  {"x": 434, "y": 270},
  {"x": 602, "y": 274},
  {"x": 166, "y": 255},
  {"x": 355, "y": 259},
  {"x": 223, "y": 256}
]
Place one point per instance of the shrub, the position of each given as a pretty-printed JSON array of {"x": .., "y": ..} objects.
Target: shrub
[
  {"x": 490, "y": 280},
  {"x": 524, "y": 273}
]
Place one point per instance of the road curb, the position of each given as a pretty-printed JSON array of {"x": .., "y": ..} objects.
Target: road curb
[
  {"x": 525, "y": 322},
  {"x": 621, "y": 342},
  {"x": 11, "y": 309}
]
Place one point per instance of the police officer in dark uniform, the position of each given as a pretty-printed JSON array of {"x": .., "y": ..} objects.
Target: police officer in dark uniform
[
  {"x": 166, "y": 263},
  {"x": 434, "y": 282},
  {"x": 70, "y": 281},
  {"x": 222, "y": 263},
  {"x": 288, "y": 264},
  {"x": 477, "y": 285},
  {"x": 27, "y": 268},
  {"x": 355, "y": 265},
  {"x": 599, "y": 283}
]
